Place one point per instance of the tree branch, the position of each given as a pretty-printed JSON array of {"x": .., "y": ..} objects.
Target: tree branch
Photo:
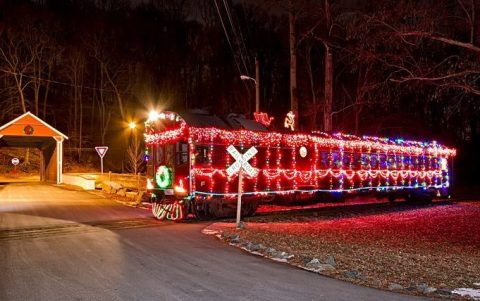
[
  {"x": 448, "y": 41},
  {"x": 432, "y": 79}
]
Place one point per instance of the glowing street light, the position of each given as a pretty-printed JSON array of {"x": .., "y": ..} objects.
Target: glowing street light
[
  {"x": 132, "y": 125},
  {"x": 245, "y": 77},
  {"x": 257, "y": 91},
  {"x": 256, "y": 80}
]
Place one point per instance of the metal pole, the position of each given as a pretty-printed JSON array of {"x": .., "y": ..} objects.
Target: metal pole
[
  {"x": 138, "y": 181},
  {"x": 101, "y": 164},
  {"x": 239, "y": 201},
  {"x": 257, "y": 85}
]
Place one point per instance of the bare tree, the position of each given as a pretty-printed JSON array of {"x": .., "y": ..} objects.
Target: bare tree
[
  {"x": 14, "y": 51},
  {"x": 76, "y": 74},
  {"x": 447, "y": 72},
  {"x": 111, "y": 71},
  {"x": 134, "y": 154}
]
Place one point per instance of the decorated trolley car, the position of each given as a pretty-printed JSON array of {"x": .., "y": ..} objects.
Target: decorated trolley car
[{"x": 187, "y": 162}]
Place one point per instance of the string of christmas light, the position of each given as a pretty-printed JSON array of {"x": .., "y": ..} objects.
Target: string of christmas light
[
  {"x": 309, "y": 191},
  {"x": 306, "y": 176},
  {"x": 292, "y": 162},
  {"x": 173, "y": 211},
  {"x": 236, "y": 137}
]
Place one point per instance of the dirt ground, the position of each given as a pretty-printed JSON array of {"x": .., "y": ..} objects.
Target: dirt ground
[{"x": 378, "y": 245}]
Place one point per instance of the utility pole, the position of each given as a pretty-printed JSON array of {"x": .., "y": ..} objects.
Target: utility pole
[
  {"x": 257, "y": 85},
  {"x": 293, "y": 61},
  {"x": 256, "y": 81},
  {"x": 327, "y": 118},
  {"x": 327, "y": 112}
]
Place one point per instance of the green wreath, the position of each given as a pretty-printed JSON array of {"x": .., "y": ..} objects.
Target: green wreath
[{"x": 163, "y": 177}]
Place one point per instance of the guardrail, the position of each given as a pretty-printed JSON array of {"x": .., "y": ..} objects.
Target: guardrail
[{"x": 85, "y": 180}]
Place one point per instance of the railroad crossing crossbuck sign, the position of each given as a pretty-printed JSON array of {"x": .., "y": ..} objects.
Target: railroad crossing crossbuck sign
[
  {"x": 241, "y": 164},
  {"x": 242, "y": 161}
]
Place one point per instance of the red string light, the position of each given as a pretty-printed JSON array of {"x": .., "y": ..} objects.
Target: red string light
[{"x": 332, "y": 162}]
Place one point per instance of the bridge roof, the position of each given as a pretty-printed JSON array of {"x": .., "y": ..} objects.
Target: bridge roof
[{"x": 29, "y": 125}]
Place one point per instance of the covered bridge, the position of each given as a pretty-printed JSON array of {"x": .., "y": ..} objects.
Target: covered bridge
[{"x": 29, "y": 131}]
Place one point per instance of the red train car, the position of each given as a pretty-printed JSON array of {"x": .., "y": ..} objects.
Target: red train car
[{"x": 187, "y": 160}]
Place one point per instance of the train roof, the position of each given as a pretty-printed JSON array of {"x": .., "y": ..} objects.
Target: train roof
[
  {"x": 236, "y": 129},
  {"x": 204, "y": 120},
  {"x": 200, "y": 118}
]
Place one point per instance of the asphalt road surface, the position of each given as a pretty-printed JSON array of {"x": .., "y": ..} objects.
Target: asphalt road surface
[{"x": 59, "y": 244}]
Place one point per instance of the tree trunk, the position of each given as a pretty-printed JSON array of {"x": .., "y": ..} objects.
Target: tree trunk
[
  {"x": 80, "y": 130},
  {"x": 18, "y": 83},
  {"x": 117, "y": 92},
  {"x": 257, "y": 85},
  {"x": 358, "y": 113},
  {"x": 327, "y": 113},
  {"x": 47, "y": 89},
  {"x": 308, "y": 62},
  {"x": 293, "y": 65},
  {"x": 475, "y": 34},
  {"x": 24, "y": 109},
  {"x": 37, "y": 84}
]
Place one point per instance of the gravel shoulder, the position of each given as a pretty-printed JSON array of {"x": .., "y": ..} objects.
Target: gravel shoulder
[{"x": 422, "y": 250}]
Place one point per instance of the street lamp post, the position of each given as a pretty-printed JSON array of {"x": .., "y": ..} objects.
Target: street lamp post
[
  {"x": 257, "y": 84},
  {"x": 133, "y": 127},
  {"x": 133, "y": 130}
]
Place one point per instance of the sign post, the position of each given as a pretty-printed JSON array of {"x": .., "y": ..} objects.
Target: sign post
[
  {"x": 15, "y": 162},
  {"x": 241, "y": 164},
  {"x": 101, "y": 151}
]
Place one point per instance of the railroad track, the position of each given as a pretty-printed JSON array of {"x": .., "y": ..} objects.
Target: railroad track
[
  {"x": 77, "y": 228},
  {"x": 344, "y": 210}
]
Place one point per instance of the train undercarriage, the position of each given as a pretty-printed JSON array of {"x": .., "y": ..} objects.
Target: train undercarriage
[{"x": 205, "y": 208}]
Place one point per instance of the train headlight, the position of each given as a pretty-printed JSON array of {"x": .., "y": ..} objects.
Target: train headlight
[
  {"x": 153, "y": 115},
  {"x": 180, "y": 188},
  {"x": 149, "y": 184}
]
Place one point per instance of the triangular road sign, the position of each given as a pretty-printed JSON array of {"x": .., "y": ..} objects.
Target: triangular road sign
[{"x": 101, "y": 150}]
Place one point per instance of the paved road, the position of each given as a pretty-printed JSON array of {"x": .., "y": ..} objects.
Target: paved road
[{"x": 58, "y": 244}]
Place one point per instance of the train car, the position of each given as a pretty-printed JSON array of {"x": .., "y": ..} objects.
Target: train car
[{"x": 187, "y": 159}]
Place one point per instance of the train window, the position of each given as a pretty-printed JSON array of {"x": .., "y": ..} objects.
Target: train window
[
  {"x": 383, "y": 161},
  {"x": 374, "y": 161},
  {"x": 398, "y": 161},
  {"x": 416, "y": 162},
  {"x": 159, "y": 155},
  {"x": 421, "y": 161},
  {"x": 412, "y": 162},
  {"x": 182, "y": 153},
  {"x": 357, "y": 161},
  {"x": 324, "y": 160},
  {"x": 364, "y": 161},
  {"x": 346, "y": 160},
  {"x": 201, "y": 154},
  {"x": 169, "y": 155},
  {"x": 391, "y": 162},
  {"x": 337, "y": 160}
]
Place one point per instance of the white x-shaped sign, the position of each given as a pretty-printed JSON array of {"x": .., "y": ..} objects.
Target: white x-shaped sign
[{"x": 241, "y": 161}]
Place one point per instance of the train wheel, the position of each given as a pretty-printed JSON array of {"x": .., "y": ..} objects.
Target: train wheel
[
  {"x": 391, "y": 198},
  {"x": 419, "y": 197},
  {"x": 249, "y": 209},
  {"x": 202, "y": 211},
  {"x": 173, "y": 211}
]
